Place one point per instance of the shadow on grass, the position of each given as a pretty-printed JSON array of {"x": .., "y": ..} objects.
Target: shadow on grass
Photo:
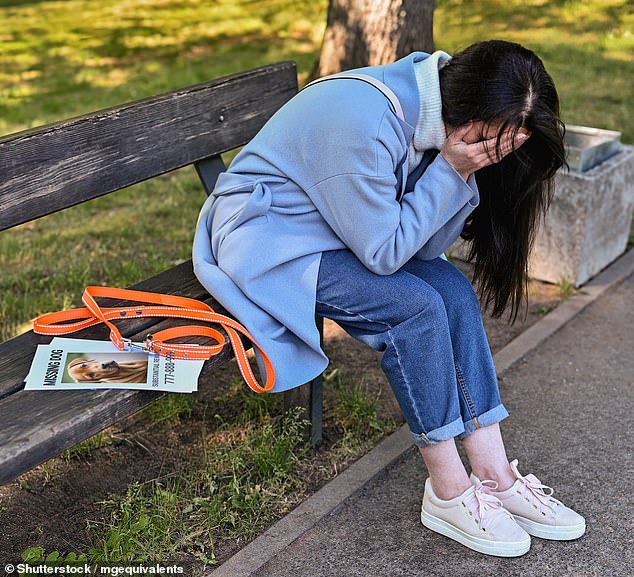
[
  {"x": 71, "y": 92},
  {"x": 60, "y": 64},
  {"x": 14, "y": 3}
]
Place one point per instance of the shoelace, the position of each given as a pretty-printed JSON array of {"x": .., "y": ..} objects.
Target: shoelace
[
  {"x": 534, "y": 488},
  {"x": 484, "y": 503}
]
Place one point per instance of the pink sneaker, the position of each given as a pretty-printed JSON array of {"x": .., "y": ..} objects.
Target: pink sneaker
[
  {"x": 534, "y": 508},
  {"x": 475, "y": 519}
]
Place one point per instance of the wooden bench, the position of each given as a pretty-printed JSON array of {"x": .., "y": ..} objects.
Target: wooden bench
[{"x": 50, "y": 168}]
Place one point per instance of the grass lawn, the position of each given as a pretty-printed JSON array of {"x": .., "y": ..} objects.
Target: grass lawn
[{"x": 63, "y": 58}]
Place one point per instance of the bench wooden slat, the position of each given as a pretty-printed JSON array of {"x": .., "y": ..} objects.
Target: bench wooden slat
[{"x": 50, "y": 168}]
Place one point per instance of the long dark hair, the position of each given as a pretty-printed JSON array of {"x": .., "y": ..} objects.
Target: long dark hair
[{"x": 502, "y": 82}]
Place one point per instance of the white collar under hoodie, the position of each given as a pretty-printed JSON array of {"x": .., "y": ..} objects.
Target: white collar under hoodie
[{"x": 430, "y": 129}]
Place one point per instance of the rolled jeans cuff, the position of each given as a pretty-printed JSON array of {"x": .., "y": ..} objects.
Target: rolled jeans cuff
[
  {"x": 438, "y": 435},
  {"x": 492, "y": 416}
]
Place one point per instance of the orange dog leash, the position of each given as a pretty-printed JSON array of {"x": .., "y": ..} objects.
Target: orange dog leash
[{"x": 169, "y": 306}]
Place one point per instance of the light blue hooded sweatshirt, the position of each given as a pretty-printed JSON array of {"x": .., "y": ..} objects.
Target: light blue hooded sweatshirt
[{"x": 331, "y": 169}]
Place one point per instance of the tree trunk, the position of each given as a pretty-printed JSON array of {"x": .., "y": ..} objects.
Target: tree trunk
[{"x": 371, "y": 32}]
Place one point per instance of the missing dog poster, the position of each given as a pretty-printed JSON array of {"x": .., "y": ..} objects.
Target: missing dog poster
[{"x": 69, "y": 364}]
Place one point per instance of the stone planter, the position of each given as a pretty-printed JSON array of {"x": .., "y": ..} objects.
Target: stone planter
[
  {"x": 588, "y": 224},
  {"x": 587, "y": 147}
]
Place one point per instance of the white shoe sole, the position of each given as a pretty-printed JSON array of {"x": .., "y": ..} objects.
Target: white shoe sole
[
  {"x": 497, "y": 548},
  {"x": 550, "y": 532}
]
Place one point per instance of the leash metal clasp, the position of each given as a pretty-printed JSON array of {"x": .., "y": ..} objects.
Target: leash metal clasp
[{"x": 130, "y": 344}]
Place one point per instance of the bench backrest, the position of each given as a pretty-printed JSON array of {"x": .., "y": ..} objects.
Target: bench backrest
[{"x": 47, "y": 169}]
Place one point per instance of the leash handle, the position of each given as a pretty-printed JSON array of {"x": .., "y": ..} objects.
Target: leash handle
[{"x": 161, "y": 305}]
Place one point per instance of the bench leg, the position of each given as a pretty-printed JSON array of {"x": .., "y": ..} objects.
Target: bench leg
[{"x": 310, "y": 396}]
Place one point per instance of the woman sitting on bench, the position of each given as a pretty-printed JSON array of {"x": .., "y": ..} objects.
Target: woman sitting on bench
[{"x": 344, "y": 204}]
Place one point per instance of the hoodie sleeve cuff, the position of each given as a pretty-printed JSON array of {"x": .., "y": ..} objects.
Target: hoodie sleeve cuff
[
  {"x": 473, "y": 185},
  {"x": 470, "y": 182}
]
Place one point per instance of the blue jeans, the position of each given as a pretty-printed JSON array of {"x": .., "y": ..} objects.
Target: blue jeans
[{"x": 426, "y": 320}]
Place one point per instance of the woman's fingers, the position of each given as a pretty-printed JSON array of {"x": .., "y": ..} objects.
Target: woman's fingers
[
  {"x": 488, "y": 152},
  {"x": 467, "y": 156}
]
